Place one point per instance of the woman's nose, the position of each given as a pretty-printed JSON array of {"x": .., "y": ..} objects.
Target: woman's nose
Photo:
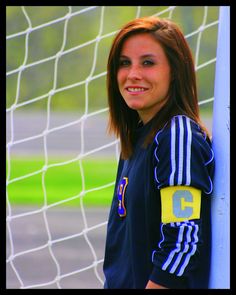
[{"x": 134, "y": 73}]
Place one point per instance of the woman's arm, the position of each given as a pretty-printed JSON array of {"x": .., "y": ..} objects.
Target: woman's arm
[{"x": 152, "y": 285}]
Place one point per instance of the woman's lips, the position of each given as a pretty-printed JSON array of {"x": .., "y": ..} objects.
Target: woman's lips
[{"x": 136, "y": 89}]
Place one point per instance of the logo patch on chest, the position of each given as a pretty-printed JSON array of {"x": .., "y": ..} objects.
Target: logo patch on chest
[{"x": 121, "y": 196}]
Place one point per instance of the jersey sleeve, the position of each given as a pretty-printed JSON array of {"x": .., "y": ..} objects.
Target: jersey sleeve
[
  {"x": 184, "y": 163},
  {"x": 184, "y": 156}
]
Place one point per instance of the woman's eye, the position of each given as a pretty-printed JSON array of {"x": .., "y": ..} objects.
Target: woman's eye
[
  {"x": 124, "y": 63},
  {"x": 148, "y": 63}
]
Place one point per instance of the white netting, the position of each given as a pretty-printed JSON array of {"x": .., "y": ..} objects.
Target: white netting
[{"x": 56, "y": 62}]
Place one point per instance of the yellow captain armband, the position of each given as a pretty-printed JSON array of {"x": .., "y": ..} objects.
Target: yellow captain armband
[{"x": 179, "y": 203}]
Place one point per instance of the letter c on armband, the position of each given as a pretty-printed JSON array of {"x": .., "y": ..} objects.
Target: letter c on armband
[
  {"x": 179, "y": 203},
  {"x": 182, "y": 203}
]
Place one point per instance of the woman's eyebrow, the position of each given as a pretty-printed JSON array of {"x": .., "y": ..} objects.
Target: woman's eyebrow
[
  {"x": 148, "y": 55},
  {"x": 123, "y": 56},
  {"x": 142, "y": 56}
]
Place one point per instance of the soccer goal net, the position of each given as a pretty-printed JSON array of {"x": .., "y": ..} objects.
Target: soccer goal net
[{"x": 61, "y": 164}]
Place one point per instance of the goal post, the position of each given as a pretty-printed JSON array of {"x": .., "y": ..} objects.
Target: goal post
[{"x": 220, "y": 265}]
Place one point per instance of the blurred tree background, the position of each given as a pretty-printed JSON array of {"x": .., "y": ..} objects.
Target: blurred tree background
[{"x": 76, "y": 61}]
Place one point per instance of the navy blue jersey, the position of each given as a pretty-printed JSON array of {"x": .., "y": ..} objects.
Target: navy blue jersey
[{"x": 159, "y": 223}]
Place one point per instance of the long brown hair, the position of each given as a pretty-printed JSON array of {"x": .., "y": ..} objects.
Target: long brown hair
[{"x": 182, "y": 94}]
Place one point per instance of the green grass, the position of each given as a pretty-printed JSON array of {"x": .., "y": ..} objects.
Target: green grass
[{"x": 61, "y": 182}]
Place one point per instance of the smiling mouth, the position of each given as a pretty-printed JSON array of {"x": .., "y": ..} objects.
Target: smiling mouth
[{"x": 135, "y": 89}]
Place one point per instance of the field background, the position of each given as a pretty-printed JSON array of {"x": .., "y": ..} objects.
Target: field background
[{"x": 62, "y": 182}]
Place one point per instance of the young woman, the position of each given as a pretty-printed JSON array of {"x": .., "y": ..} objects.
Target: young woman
[{"x": 159, "y": 232}]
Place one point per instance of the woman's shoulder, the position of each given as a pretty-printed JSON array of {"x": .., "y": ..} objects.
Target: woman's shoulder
[
  {"x": 183, "y": 135},
  {"x": 182, "y": 149},
  {"x": 181, "y": 128}
]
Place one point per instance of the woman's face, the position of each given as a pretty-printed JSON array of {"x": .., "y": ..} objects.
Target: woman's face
[{"x": 144, "y": 75}]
